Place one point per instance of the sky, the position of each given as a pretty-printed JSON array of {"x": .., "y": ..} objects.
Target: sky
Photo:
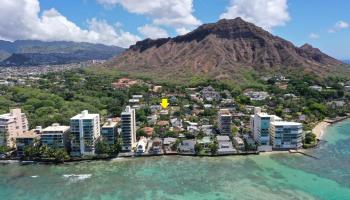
[{"x": 325, "y": 24}]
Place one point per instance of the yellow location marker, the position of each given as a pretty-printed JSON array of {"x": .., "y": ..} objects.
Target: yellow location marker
[{"x": 164, "y": 103}]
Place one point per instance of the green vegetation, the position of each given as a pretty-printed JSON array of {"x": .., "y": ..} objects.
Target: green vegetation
[{"x": 310, "y": 140}]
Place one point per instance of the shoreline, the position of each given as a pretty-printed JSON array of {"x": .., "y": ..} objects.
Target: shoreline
[{"x": 321, "y": 127}]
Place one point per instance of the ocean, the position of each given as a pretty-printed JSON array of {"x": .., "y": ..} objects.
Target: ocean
[{"x": 266, "y": 176}]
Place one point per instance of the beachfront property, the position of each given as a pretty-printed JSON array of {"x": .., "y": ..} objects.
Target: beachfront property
[
  {"x": 205, "y": 143},
  {"x": 12, "y": 125},
  {"x": 85, "y": 129},
  {"x": 141, "y": 146},
  {"x": 238, "y": 143},
  {"x": 224, "y": 121},
  {"x": 260, "y": 124},
  {"x": 128, "y": 129},
  {"x": 156, "y": 147},
  {"x": 225, "y": 145},
  {"x": 25, "y": 139},
  {"x": 55, "y": 136},
  {"x": 187, "y": 146},
  {"x": 286, "y": 135},
  {"x": 109, "y": 131}
]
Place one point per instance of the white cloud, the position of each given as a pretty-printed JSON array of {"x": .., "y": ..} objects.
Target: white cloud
[
  {"x": 153, "y": 32},
  {"x": 341, "y": 25},
  {"x": 264, "y": 13},
  {"x": 20, "y": 19},
  {"x": 177, "y": 14},
  {"x": 338, "y": 26},
  {"x": 314, "y": 36},
  {"x": 182, "y": 31}
]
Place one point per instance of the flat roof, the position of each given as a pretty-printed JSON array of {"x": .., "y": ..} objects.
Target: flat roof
[
  {"x": 284, "y": 123},
  {"x": 110, "y": 124},
  {"x": 56, "y": 128},
  {"x": 85, "y": 115},
  {"x": 28, "y": 134}
]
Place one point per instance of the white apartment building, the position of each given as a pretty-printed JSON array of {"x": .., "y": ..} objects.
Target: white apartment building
[
  {"x": 224, "y": 121},
  {"x": 12, "y": 125},
  {"x": 128, "y": 129},
  {"x": 55, "y": 136},
  {"x": 260, "y": 124},
  {"x": 286, "y": 135},
  {"x": 85, "y": 129}
]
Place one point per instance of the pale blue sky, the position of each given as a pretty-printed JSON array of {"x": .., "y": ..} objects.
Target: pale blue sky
[{"x": 322, "y": 23}]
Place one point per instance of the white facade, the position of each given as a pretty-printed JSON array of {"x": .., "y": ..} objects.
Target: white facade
[
  {"x": 286, "y": 135},
  {"x": 260, "y": 124},
  {"x": 55, "y": 136},
  {"x": 225, "y": 121},
  {"x": 128, "y": 133},
  {"x": 12, "y": 125},
  {"x": 85, "y": 129}
]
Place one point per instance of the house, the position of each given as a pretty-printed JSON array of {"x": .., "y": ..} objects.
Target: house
[
  {"x": 225, "y": 145},
  {"x": 152, "y": 119},
  {"x": 238, "y": 143},
  {"x": 155, "y": 108},
  {"x": 336, "y": 104},
  {"x": 168, "y": 143},
  {"x": 156, "y": 146},
  {"x": 137, "y": 96},
  {"x": 141, "y": 146},
  {"x": 205, "y": 143},
  {"x": 124, "y": 83},
  {"x": 163, "y": 123},
  {"x": 192, "y": 126},
  {"x": 256, "y": 96},
  {"x": 209, "y": 94},
  {"x": 176, "y": 122},
  {"x": 134, "y": 101},
  {"x": 316, "y": 88},
  {"x": 187, "y": 146},
  {"x": 347, "y": 88},
  {"x": 157, "y": 88},
  {"x": 207, "y": 106},
  {"x": 207, "y": 129},
  {"x": 148, "y": 131}
]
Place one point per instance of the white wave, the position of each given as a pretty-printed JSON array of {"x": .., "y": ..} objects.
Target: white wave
[
  {"x": 35, "y": 176},
  {"x": 76, "y": 177}
]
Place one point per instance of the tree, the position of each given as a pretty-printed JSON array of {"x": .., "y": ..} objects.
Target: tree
[
  {"x": 102, "y": 147},
  {"x": 214, "y": 147},
  {"x": 310, "y": 138},
  {"x": 60, "y": 155},
  {"x": 198, "y": 148},
  {"x": 234, "y": 131}
]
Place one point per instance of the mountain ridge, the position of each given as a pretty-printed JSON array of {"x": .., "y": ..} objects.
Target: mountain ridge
[
  {"x": 220, "y": 50},
  {"x": 35, "y": 52}
]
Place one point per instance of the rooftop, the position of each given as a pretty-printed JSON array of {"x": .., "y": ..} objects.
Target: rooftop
[
  {"x": 110, "y": 124},
  {"x": 28, "y": 134},
  {"x": 284, "y": 123},
  {"x": 56, "y": 128},
  {"x": 85, "y": 115}
]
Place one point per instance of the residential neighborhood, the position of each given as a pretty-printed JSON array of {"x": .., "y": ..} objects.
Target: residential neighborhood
[{"x": 198, "y": 122}]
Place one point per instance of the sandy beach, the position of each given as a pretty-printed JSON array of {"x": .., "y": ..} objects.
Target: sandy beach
[{"x": 320, "y": 129}]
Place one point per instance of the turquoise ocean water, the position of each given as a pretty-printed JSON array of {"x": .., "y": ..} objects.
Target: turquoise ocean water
[{"x": 268, "y": 176}]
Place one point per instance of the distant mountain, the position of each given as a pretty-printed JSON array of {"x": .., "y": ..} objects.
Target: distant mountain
[
  {"x": 346, "y": 61},
  {"x": 33, "y": 52},
  {"x": 222, "y": 50}
]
